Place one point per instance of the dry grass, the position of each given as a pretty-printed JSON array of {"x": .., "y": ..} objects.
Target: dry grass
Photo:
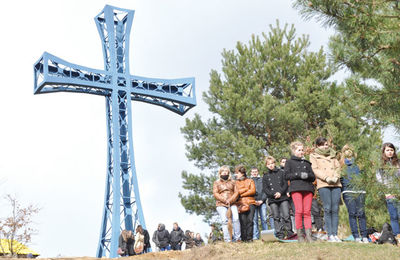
[{"x": 276, "y": 250}]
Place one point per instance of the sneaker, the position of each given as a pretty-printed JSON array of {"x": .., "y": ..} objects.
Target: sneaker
[
  {"x": 358, "y": 240},
  {"x": 323, "y": 237},
  {"x": 331, "y": 239},
  {"x": 365, "y": 240},
  {"x": 337, "y": 239}
]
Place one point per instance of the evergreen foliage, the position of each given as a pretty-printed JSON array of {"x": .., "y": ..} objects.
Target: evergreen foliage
[
  {"x": 367, "y": 42},
  {"x": 271, "y": 91}
]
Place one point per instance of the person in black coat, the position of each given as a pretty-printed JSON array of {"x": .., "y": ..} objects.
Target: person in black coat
[
  {"x": 176, "y": 237},
  {"x": 125, "y": 242},
  {"x": 147, "y": 245},
  {"x": 301, "y": 176},
  {"x": 275, "y": 187},
  {"x": 161, "y": 238}
]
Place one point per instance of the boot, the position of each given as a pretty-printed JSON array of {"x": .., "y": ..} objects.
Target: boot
[
  {"x": 309, "y": 238},
  {"x": 300, "y": 236}
]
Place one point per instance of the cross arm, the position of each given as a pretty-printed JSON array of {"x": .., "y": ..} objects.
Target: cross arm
[
  {"x": 177, "y": 95},
  {"x": 53, "y": 74}
]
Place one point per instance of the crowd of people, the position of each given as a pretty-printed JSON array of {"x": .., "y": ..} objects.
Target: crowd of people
[
  {"x": 285, "y": 200},
  {"x": 139, "y": 243},
  {"x": 286, "y": 196}
]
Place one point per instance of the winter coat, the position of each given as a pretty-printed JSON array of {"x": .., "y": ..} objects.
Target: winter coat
[
  {"x": 352, "y": 171},
  {"x": 161, "y": 237},
  {"x": 274, "y": 181},
  {"x": 189, "y": 241},
  {"x": 260, "y": 195},
  {"x": 247, "y": 190},
  {"x": 146, "y": 240},
  {"x": 324, "y": 167},
  {"x": 126, "y": 246},
  {"x": 293, "y": 169},
  {"x": 198, "y": 242},
  {"x": 177, "y": 236},
  {"x": 225, "y": 190}
]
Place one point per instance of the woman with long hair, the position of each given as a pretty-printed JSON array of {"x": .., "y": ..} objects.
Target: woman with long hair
[{"x": 388, "y": 175}]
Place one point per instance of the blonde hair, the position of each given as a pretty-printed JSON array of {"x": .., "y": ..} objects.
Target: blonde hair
[
  {"x": 294, "y": 145},
  {"x": 224, "y": 167},
  {"x": 126, "y": 234},
  {"x": 269, "y": 158},
  {"x": 345, "y": 148}
]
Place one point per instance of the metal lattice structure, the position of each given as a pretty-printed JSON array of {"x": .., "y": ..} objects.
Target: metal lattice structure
[{"x": 122, "y": 206}]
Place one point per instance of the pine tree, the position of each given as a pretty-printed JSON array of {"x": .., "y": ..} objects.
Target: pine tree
[
  {"x": 367, "y": 42},
  {"x": 271, "y": 92}
]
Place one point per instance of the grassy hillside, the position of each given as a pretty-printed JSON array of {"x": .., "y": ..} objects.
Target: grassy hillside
[{"x": 260, "y": 250}]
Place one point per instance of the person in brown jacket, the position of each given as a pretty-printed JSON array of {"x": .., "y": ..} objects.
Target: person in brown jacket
[
  {"x": 226, "y": 195},
  {"x": 327, "y": 170},
  {"x": 246, "y": 202}
]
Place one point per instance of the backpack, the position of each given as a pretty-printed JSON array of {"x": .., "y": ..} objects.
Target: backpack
[{"x": 387, "y": 235}]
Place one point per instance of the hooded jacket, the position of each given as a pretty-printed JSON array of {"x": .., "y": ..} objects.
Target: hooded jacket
[
  {"x": 274, "y": 181},
  {"x": 293, "y": 169},
  {"x": 161, "y": 237}
]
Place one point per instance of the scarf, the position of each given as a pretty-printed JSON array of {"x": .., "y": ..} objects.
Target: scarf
[{"x": 326, "y": 152}]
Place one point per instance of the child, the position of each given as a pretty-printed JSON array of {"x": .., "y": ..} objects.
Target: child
[
  {"x": 275, "y": 186},
  {"x": 301, "y": 176}
]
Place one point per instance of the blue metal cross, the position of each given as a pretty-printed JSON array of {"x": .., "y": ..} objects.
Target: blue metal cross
[{"x": 122, "y": 206}]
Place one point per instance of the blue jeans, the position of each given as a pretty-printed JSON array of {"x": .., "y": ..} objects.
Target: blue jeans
[
  {"x": 393, "y": 206},
  {"x": 262, "y": 212},
  {"x": 355, "y": 206},
  {"x": 235, "y": 223},
  {"x": 330, "y": 199}
]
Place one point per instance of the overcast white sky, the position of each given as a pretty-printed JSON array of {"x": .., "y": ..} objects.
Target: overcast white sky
[{"x": 53, "y": 147}]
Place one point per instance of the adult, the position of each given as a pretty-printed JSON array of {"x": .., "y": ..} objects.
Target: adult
[
  {"x": 327, "y": 170},
  {"x": 260, "y": 206},
  {"x": 388, "y": 175},
  {"x": 246, "y": 203},
  {"x": 147, "y": 245},
  {"x": 226, "y": 195},
  {"x": 177, "y": 237},
  {"x": 161, "y": 238},
  {"x": 189, "y": 239},
  {"x": 125, "y": 243},
  {"x": 353, "y": 197},
  {"x": 139, "y": 241},
  {"x": 301, "y": 176},
  {"x": 198, "y": 241}
]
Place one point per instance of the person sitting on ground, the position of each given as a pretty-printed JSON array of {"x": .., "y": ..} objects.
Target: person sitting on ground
[
  {"x": 161, "y": 238},
  {"x": 177, "y": 237},
  {"x": 198, "y": 241},
  {"x": 215, "y": 234}
]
